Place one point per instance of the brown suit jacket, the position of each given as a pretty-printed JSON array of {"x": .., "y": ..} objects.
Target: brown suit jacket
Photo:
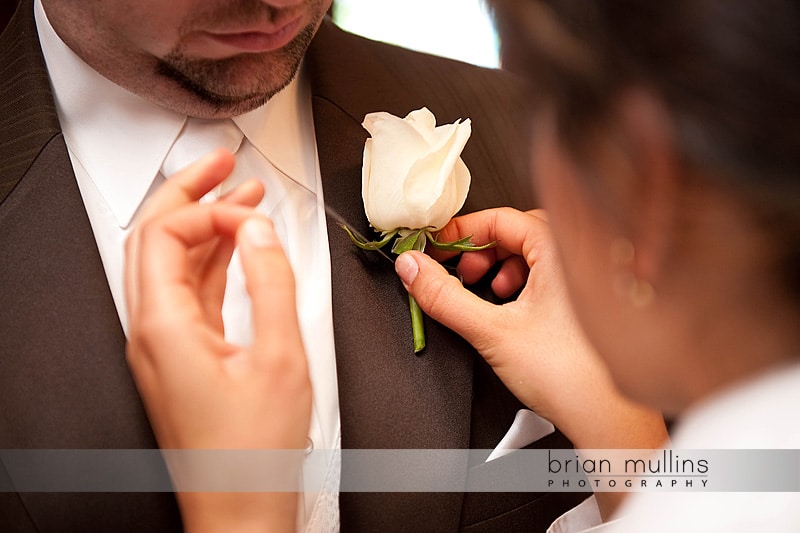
[{"x": 64, "y": 382}]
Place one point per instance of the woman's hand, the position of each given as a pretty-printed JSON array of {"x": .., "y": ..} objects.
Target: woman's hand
[
  {"x": 533, "y": 343},
  {"x": 200, "y": 391}
]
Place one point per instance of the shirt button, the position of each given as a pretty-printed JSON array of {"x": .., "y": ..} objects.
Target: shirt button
[{"x": 309, "y": 445}]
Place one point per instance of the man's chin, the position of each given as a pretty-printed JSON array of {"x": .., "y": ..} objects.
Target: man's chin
[
  {"x": 223, "y": 98},
  {"x": 235, "y": 85}
]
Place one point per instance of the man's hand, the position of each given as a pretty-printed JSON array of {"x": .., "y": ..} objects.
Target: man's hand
[{"x": 200, "y": 391}]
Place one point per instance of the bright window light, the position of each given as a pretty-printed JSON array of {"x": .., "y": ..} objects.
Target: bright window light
[{"x": 460, "y": 29}]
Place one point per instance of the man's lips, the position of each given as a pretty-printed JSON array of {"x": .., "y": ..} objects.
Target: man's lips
[{"x": 219, "y": 45}]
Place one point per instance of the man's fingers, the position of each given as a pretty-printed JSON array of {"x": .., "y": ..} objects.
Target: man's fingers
[
  {"x": 270, "y": 283},
  {"x": 213, "y": 277},
  {"x": 248, "y": 193},
  {"x": 443, "y": 298},
  {"x": 186, "y": 186},
  {"x": 191, "y": 183},
  {"x": 162, "y": 255}
]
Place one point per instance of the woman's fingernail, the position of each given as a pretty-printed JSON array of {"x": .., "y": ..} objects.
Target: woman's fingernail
[
  {"x": 407, "y": 268},
  {"x": 260, "y": 233}
]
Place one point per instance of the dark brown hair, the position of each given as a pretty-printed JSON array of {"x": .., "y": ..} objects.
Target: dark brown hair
[{"x": 728, "y": 71}]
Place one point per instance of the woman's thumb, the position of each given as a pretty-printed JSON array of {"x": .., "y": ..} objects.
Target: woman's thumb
[{"x": 443, "y": 298}]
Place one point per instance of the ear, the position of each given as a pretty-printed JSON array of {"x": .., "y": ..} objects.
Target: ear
[{"x": 651, "y": 185}]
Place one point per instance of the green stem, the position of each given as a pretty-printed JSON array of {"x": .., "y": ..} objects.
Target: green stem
[{"x": 417, "y": 324}]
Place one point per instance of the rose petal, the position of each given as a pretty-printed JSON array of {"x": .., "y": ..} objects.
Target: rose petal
[
  {"x": 395, "y": 145},
  {"x": 434, "y": 191},
  {"x": 423, "y": 121},
  {"x": 413, "y": 176}
]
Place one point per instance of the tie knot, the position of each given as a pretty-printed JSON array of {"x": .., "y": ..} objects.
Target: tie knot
[{"x": 199, "y": 137}]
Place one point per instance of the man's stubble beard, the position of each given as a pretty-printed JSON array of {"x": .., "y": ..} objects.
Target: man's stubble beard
[{"x": 209, "y": 82}]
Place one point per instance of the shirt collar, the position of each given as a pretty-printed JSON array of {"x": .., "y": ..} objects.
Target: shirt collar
[
  {"x": 282, "y": 131},
  {"x": 121, "y": 139}
]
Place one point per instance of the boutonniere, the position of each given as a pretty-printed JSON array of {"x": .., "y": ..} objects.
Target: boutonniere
[{"x": 413, "y": 183}]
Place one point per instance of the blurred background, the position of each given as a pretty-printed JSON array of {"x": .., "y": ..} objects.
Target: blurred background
[{"x": 460, "y": 29}]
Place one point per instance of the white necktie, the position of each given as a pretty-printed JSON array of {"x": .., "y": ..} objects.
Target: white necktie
[
  {"x": 293, "y": 209},
  {"x": 199, "y": 137}
]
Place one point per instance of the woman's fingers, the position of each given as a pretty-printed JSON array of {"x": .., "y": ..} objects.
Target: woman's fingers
[
  {"x": 518, "y": 237},
  {"x": 511, "y": 277},
  {"x": 506, "y": 226},
  {"x": 443, "y": 298}
]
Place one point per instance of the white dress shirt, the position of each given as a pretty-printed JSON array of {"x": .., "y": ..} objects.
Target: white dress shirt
[{"x": 117, "y": 142}]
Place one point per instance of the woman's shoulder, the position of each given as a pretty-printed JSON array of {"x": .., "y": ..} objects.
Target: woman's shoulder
[{"x": 756, "y": 413}]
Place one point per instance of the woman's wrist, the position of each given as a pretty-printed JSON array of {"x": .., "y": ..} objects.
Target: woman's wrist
[{"x": 614, "y": 422}]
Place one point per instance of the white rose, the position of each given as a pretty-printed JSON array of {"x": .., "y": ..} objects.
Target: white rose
[{"x": 413, "y": 176}]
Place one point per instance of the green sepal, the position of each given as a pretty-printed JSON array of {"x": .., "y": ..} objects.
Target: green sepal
[
  {"x": 412, "y": 241},
  {"x": 369, "y": 245},
  {"x": 415, "y": 240}
]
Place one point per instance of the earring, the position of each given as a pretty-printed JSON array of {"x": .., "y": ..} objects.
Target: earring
[{"x": 639, "y": 292}]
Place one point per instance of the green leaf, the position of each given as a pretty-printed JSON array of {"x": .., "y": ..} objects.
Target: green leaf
[
  {"x": 369, "y": 245},
  {"x": 465, "y": 240},
  {"x": 461, "y": 245}
]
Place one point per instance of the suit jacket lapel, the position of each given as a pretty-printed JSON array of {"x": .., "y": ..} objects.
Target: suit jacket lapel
[
  {"x": 389, "y": 398},
  {"x": 64, "y": 382},
  {"x": 28, "y": 117},
  {"x": 381, "y": 381},
  {"x": 58, "y": 302},
  {"x": 376, "y": 347}
]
